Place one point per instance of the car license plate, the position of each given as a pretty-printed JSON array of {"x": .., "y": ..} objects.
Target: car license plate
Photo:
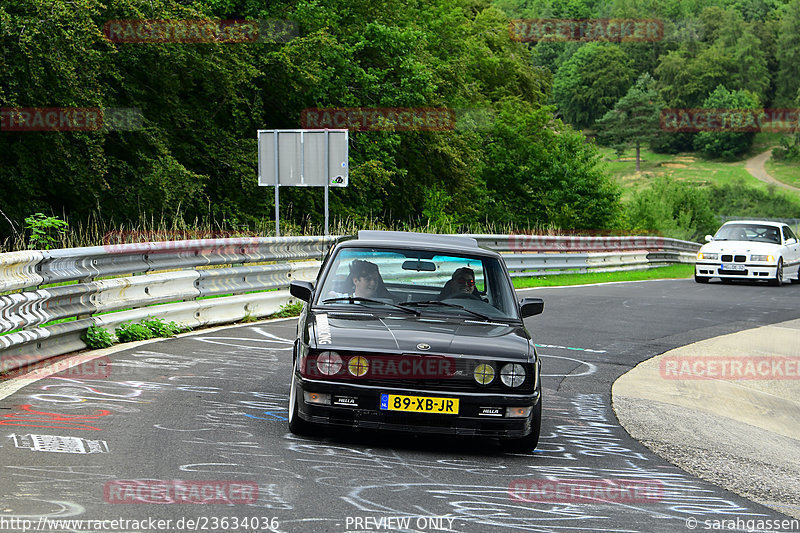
[
  {"x": 419, "y": 404},
  {"x": 731, "y": 266}
]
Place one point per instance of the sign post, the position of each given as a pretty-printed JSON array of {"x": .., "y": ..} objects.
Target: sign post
[{"x": 302, "y": 158}]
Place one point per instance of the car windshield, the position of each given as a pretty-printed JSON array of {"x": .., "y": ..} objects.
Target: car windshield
[
  {"x": 425, "y": 282},
  {"x": 748, "y": 232}
]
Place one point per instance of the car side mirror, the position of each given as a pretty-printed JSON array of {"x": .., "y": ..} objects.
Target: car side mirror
[
  {"x": 531, "y": 306},
  {"x": 791, "y": 241},
  {"x": 301, "y": 290},
  {"x": 709, "y": 238}
]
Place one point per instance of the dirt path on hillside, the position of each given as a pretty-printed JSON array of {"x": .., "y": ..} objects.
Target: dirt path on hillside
[{"x": 755, "y": 166}]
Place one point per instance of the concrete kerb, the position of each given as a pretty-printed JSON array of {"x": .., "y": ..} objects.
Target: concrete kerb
[
  {"x": 10, "y": 386},
  {"x": 741, "y": 434}
]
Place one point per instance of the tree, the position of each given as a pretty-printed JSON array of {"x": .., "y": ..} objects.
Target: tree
[
  {"x": 539, "y": 171},
  {"x": 727, "y": 144},
  {"x": 787, "y": 80},
  {"x": 635, "y": 118},
  {"x": 590, "y": 82}
]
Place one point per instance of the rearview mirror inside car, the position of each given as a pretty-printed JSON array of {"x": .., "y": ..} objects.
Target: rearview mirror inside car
[{"x": 419, "y": 265}]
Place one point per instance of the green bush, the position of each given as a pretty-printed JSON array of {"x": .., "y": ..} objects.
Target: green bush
[
  {"x": 289, "y": 310},
  {"x": 44, "y": 231},
  {"x": 737, "y": 199},
  {"x": 672, "y": 209},
  {"x": 129, "y": 332},
  {"x": 726, "y": 144},
  {"x": 96, "y": 338},
  {"x": 789, "y": 150},
  {"x": 161, "y": 329}
]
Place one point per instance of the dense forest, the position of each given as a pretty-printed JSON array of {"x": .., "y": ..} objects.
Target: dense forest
[{"x": 193, "y": 155}]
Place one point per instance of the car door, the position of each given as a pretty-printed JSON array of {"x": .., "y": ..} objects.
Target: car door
[{"x": 792, "y": 247}]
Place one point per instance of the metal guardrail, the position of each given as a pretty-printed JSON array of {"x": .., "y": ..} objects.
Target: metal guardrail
[{"x": 106, "y": 286}]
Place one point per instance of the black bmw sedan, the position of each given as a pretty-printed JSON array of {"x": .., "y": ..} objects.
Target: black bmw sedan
[{"x": 416, "y": 332}]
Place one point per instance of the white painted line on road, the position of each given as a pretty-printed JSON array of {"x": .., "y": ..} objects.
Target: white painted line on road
[
  {"x": 16, "y": 383},
  {"x": 569, "y": 348},
  {"x": 591, "y": 368}
]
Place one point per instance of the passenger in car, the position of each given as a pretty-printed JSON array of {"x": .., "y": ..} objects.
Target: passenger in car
[
  {"x": 462, "y": 282},
  {"x": 364, "y": 281}
]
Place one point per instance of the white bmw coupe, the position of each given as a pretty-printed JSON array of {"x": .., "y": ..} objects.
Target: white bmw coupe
[{"x": 749, "y": 249}]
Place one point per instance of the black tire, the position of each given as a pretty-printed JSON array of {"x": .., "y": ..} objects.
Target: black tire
[
  {"x": 297, "y": 425},
  {"x": 701, "y": 279},
  {"x": 528, "y": 443},
  {"x": 777, "y": 281}
]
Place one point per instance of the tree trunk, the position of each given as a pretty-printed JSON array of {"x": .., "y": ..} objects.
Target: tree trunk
[{"x": 638, "y": 167}]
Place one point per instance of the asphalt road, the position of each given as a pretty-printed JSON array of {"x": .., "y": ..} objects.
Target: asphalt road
[{"x": 211, "y": 407}]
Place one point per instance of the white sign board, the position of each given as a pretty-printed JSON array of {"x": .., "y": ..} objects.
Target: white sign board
[{"x": 303, "y": 158}]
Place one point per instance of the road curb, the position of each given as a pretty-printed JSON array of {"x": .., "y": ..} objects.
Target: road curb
[{"x": 741, "y": 434}]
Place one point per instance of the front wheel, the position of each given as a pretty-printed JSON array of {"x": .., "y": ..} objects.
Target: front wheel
[
  {"x": 297, "y": 425},
  {"x": 777, "y": 281},
  {"x": 701, "y": 279},
  {"x": 529, "y": 442}
]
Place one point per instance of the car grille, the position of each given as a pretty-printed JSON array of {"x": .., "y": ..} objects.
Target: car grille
[{"x": 729, "y": 258}]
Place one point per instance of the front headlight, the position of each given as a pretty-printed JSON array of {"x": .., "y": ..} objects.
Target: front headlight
[
  {"x": 767, "y": 258},
  {"x": 706, "y": 255},
  {"x": 512, "y": 375},
  {"x": 329, "y": 363}
]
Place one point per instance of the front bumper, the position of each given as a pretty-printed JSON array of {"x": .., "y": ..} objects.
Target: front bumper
[
  {"x": 751, "y": 271},
  {"x": 366, "y": 412}
]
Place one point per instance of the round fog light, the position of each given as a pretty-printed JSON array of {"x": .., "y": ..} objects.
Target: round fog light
[
  {"x": 512, "y": 375},
  {"x": 358, "y": 366},
  {"x": 483, "y": 373}
]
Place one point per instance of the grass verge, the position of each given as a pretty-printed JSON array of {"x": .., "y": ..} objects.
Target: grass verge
[
  {"x": 687, "y": 167},
  {"x": 671, "y": 272},
  {"x": 788, "y": 173}
]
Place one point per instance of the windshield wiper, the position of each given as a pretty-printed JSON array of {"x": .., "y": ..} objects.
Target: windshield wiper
[
  {"x": 361, "y": 299},
  {"x": 445, "y": 304}
]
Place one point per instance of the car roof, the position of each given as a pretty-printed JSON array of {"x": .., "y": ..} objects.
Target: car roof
[
  {"x": 761, "y": 222},
  {"x": 413, "y": 240}
]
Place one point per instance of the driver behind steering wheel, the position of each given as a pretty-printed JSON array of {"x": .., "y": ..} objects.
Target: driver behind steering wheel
[{"x": 460, "y": 285}]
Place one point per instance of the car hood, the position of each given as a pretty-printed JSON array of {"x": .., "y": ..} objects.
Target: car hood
[
  {"x": 742, "y": 247},
  {"x": 404, "y": 334}
]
